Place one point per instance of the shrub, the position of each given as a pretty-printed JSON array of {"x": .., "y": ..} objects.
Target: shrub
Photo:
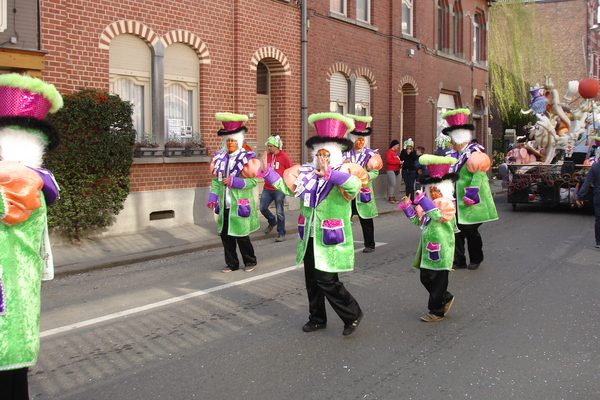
[{"x": 92, "y": 163}]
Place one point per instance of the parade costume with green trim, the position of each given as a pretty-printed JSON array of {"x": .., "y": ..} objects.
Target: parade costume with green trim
[
  {"x": 435, "y": 253},
  {"x": 473, "y": 186},
  {"x": 25, "y": 190},
  {"x": 436, "y": 217},
  {"x": 325, "y": 241},
  {"x": 238, "y": 196}
]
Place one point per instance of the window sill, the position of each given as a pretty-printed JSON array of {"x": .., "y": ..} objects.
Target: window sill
[
  {"x": 343, "y": 18},
  {"x": 171, "y": 160}
]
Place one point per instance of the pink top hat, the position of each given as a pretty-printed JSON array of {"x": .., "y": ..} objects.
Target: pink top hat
[{"x": 23, "y": 103}]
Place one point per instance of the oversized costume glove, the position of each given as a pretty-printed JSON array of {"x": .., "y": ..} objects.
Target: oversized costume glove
[
  {"x": 477, "y": 164},
  {"x": 19, "y": 192}
]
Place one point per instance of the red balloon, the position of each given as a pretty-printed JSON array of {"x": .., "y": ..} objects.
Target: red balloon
[{"x": 588, "y": 88}]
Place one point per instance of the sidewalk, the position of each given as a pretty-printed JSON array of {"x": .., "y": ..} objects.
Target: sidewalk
[{"x": 111, "y": 251}]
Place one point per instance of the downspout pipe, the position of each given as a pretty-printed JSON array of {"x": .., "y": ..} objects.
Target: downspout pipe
[{"x": 304, "y": 87}]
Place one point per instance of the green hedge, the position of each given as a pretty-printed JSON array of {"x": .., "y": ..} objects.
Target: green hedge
[{"x": 92, "y": 162}]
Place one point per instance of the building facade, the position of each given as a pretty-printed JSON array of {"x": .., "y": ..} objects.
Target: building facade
[{"x": 403, "y": 61}]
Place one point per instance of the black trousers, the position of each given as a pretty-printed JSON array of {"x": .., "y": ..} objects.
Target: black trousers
[
  {"x": 471, "y": 234},
  {"x": 13, "y": 384},
  {"x": 229, "y": 244},
  {"x": 326, "y": 285},
  {"x": 436, "y": 283},
  {"x": 367, "y": 226}
]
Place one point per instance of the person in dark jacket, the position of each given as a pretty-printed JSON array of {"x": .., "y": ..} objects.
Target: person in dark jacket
[
  {"x": 592, "y": 177},
  {"x": 409, "y": 173}
]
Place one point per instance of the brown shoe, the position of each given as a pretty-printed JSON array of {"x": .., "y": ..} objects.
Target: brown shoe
[
  {"x": 392, "y": 200},
  {"x": 431, "y": 318}
]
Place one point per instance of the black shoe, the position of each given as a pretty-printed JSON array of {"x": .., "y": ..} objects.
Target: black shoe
[
  {"x": 229, "y": 269},
  {"x": 350, "y": 328},
  {"x": 459, "y": 266},
  {"x": 368, "y": 250},
  {"x": 250, "y": 267},
  {"x": 473, "y": 265},
  {"x": 313, "y": 326}
]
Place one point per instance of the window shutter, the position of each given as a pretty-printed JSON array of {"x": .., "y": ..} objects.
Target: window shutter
[
  {"x": 338, "y": 88},
  {"x": 181, "y": 63},
  {"x": 363, "y": 91},
  {"x": 129, "y": 55}
]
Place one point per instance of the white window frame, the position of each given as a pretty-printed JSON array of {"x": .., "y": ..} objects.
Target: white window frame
[
  {"x": 187, "y": 76},
  {"x": 146, "y": 119},
  {"x": 445, "y": 102},
  {"x": 192, "y": 90},
  {"x": 367, "y": 11},
  {"x": 344, "y": 5},
  {"x": 407, "y": 6},
  {"x": 477, "y": 35}
]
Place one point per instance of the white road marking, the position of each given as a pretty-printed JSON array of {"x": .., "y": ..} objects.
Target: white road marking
[
  {"x": 77, "y": 325},
  {"x": 135, "y": 310}
]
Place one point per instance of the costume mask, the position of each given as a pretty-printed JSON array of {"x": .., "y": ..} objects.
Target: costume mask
[
  {"x": 232, "y": 145},
  {"x": 359, "y": 143}
]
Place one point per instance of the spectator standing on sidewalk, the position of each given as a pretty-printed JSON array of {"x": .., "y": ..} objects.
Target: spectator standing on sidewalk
[
  {"x": 364, "y": 204},
  {"x": 325, "y": 243},
  {"x": 392, "y": 169},
  {"x": 409, "y": 174},
  {"x": 231, "y": 196},
  {"x": 279, "y": 161},
  {"x": 474, "y": 200}
]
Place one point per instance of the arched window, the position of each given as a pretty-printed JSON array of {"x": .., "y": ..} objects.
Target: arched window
[
  {"x": 181, "y": 92},
  {"x": 338, "y": 93},
  {"x": 362, "y": 97},
  {"x": 262, "y": 79},
  {"x": 129, "y": 74}
]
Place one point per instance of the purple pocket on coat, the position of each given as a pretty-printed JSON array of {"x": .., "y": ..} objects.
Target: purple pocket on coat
[
  {"x": 50, "y": 188},
  {"x": 434, "y": 251},
  {"x": 333, "y": 231},
  {"x": 301, "y": 223},
  {"x": 243, "y": 208},
  {"x": 365, "y": 195}
]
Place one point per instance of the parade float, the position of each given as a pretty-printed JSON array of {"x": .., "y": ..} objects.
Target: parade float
[{"x": 548, "y": 162}]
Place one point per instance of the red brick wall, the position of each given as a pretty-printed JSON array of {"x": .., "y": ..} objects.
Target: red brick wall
[
  {"x": 384, "y": 53},
  {"x": 232, "y": 32}
]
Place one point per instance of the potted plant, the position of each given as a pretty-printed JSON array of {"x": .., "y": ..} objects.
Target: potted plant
[
  {"x": 193, "y": 148},
  {"x": 144, "y": 147},
  {"x": 174, "y": 148}
]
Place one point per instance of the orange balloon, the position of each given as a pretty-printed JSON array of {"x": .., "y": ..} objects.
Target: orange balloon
[{"x": 588, "y": 88}]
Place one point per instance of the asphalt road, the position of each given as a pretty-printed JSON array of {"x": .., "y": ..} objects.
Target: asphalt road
[{"x": 524, "y": 326}]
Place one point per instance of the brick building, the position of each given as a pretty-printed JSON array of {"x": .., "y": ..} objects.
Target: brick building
[{"x": 403, "y": 62}]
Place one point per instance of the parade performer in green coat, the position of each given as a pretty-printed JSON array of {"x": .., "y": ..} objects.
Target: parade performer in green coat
[
  {"x": 325, "y": 244},
  {"x": 435, "y": 213},
  {"x": 475, "y": 203},
  {"x": 25, "y": 191},
  {"x": 364, "y": 204},
  {"x": 231, "y": 195}
]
